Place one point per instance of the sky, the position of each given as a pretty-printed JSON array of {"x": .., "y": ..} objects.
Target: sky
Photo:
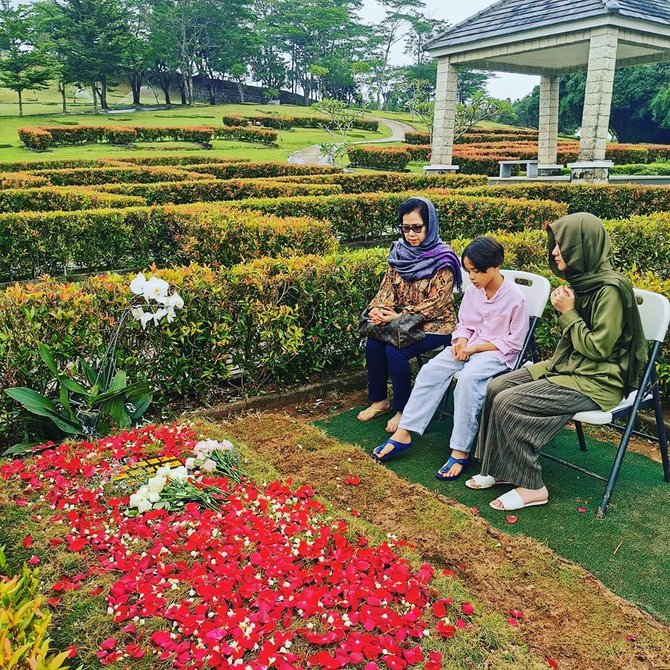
[{"x": 512, "y": 86}]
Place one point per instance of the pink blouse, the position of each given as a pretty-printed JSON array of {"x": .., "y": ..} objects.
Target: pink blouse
[{"x": 501, "y": 321}]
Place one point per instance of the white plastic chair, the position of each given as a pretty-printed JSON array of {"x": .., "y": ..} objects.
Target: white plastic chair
[{"x": 655, "y": 315}]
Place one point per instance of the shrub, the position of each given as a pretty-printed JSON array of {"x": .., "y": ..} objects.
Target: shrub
[
  {"x": 22, "y": 180},
  {"x": 271, "y": 321},
  {"x": 37, "y": 139},
  {"x": 76, "y": 134},
  {"x": 253, "y": 170},
  {"x": 172, "y": 160},
  {"x": 120, "y": 135},
  {"x": 372, "y": 216},
  {"x": 389, "y": 182},
  {"x": 419, "y": 152},
  {"x": 280, "y": 122},
  {"x": 108, "y": 175},
  {"x": 33, "y": 244},
  {"x": 366, "y": 124},
  {"x": 54, "y": 198},
  {"x": 246, "y": 134},
  {"x": 651, "y": 169},
  {"x": 235, "y": 120},
  {"x": 608, "y": 201},
  {"x": 417, "y": 138},
  {"x": 212, "y": 190},
  {"x": 380, "y": 157}
]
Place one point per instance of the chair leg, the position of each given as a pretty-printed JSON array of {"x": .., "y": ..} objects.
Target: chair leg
[
  {"x": 580, "y": 435},
  {"x": 614, "y": 474},
  {"x": 662, "y": 437}
]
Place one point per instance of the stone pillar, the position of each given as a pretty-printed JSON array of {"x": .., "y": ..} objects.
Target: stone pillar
[
  {"x": 444, "y": 123},
  {"x": 548, "y": 141},
  {"x": 598, "y": 99}
]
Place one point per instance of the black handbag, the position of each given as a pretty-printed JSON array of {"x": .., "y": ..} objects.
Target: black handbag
[{"x": 406, "y": 329}]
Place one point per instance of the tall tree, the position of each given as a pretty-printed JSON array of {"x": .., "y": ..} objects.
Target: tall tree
[{"x": 23, "y": 63}]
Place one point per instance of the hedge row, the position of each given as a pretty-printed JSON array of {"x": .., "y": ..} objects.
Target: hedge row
[
  {"x": 287, "y": 122},
  {"x": 608, "y": 201},
  {"x": 214, "y": 190},
  {"x": 380, "y": 157},
  {"x": 390, "y": 182},
  {"x": 42, "y": 138},
  {"x": 372, "y": 216},
  {"x": 254, "y": 170},
  {"x": 53, "y": 198},
  {"x": 651, "y": 169},
  {"x": 70, "y": 163},
  {"x": 21, "y": 180},
  {"x": 108, "y": 175},
  {"x": 56, "y": 243},
  {"x": 246, "y": 134},
  {"x": 268, "y": 321}
]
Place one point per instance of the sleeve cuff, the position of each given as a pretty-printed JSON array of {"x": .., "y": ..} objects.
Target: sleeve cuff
[
  {"x": 568, "y": 319},
  {"x": 456, "y": 334},
  {"x": 502, "y": 346}
]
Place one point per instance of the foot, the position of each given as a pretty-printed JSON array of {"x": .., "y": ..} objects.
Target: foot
[
  {"x": 456, "y": 469},
  {"x": 530, "y": 497},
  {"x": 393, "y": 423},
  {"x": 479, "y": 482},
  {"x": 401, "y": 435},
  {"x": 374, "y": 410}
]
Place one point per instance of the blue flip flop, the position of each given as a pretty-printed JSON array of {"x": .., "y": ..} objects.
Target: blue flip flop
[
  {"x": 442, "y": 472},
  {"x": 397, "y": 448}
]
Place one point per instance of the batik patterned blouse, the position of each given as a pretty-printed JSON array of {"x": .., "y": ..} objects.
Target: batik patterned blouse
[{"x": 433, "y": 298}]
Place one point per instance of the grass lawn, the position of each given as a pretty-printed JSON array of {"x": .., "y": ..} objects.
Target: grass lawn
[
  {"x": 627, "y": 550},
  {"x": 290, "y": 140}
]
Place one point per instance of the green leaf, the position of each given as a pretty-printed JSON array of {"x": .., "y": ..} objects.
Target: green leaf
[
  {"x": 21, "y": 449},
  {"x": 141, "y": 405},
  {"x": 89, "y": 372},
  {"x": 74, "y": 386},
  {"x": 64, "y": 398},
  {"x": 36, "y": 403},
  {"x": 128, "y": 391},
  {"x": 47, "y": 357}
]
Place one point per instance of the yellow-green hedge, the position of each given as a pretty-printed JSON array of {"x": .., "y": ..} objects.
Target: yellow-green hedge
[
  {"x": 32, "y": 244},
  {"x": 52, "y": 198},
  {"x": 133, "y": 174}
]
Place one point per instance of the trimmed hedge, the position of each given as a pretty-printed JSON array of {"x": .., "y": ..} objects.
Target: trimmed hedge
[
  {"x": 37, "y": 139},
  {"x": 108, "y": 175},
  {"x": 389, "y": 182},
  {"x": 254, "y": 170},
  {"x": 22, "y": 180},
  {"x": 417, "y": 138},
  {"x": 164, "y": 160},
  {"x": 213, "y": 190},
  {"x": 278, "y": 321},
  {"x": 280, "y": 122},
  {"x": 608, "y": 201},
  {"x": 650, "y": 169},
  {"x": 372, "y": 216},
  {"x": 246, "y": 134},
  {"x": 380, "y": 157},
  {"x": 52, "y": 198},
  {"x": 54, "y": 243}
]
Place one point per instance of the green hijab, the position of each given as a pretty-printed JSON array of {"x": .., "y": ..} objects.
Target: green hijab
[{"x": 586, "y": 249}]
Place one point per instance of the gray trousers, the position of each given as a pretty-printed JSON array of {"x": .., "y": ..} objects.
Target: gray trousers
[
  {"x": 431, "y": 384},
  {"x": 520, "y": 417}
]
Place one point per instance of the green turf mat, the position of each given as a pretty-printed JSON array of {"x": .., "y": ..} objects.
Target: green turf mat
[{"x": 629, "y": 550}]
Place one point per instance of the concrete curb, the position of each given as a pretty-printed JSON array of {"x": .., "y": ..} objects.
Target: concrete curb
[{"x": 352, "y": 381}]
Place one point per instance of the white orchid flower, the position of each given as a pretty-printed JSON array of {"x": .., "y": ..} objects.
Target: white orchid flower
[
  {"x": 155, "y": 288},
  {"x": 159, "y": 314},
  {"x": 153, "y": 497},
  {"x": 137, "y": 313},
  {"x": 209, "y": 465},
  {"x": 137, "y": 285},
  {"x": 190, "y": 463},
  {"x": 170, "y": 315},
  {"x": 144, "y": 506}
]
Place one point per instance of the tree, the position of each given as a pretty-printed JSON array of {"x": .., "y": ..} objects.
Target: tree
[
  {"x": 92, "y": 35},
  {"x": 480, "y": 108},
  {"x": 136, "y": 56},
  {"x": 23, "y": 64},
  {"x": 471, "y": 82},
  {"x": 340, "y": 122}
]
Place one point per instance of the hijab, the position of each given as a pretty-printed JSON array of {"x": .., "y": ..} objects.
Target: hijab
[
  {"x": 586, "y": 249},
  {"x": 431, "y": 256}
]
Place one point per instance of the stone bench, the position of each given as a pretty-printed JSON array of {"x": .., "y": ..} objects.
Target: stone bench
[
  {"x": 440, "y": 169},
  {"x": 506, "y": 168},
  {"x": 549, "y": 168}
]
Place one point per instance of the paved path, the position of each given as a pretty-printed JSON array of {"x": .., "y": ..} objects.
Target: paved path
[{"x": 312, "y": 155}]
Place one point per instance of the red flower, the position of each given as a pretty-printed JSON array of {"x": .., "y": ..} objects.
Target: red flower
[
  {"x": 27, "y": 541},
  {"x": 445, "y": 629},
  {"x": 467, "y": 608},
  {"x": 352, "y": 481}
]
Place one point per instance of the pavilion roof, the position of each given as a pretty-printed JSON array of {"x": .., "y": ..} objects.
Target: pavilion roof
[{"x": 508, "y": 17}]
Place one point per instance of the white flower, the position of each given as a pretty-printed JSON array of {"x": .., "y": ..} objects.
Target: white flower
[
  {"x": 155, "y": 288},
  {"x": 170, "y": 314},
  {"x": 137, "y": 285},
  {"x": 225, "y": 445},
  {"x": 190, "y": 463},
  {"x": 179, "y": 474},
  {"x": 209, "y": 465},
  {"x": 135, "y": 499},
  {"x": 153, "y": 497},
  {"x": 159, "y": 314},
  {"x": 157, "y": 484},
  {"x": 144, "y": 506},
  {"x": 142, "y": 316},
  {"x": 174, "y": 301}
]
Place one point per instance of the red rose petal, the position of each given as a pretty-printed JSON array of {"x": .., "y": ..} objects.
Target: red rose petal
[
  {"x": 467, "y": 608},
  {"x": 552, "y": 663},
  {"x": 511, "y": 518},
  {"x": 582, "y": 510},
  {"x": 27, "y": 541}
]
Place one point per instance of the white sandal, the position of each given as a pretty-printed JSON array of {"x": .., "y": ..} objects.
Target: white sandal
[
  {"x": 483, "y": 482},
  {"x": 512, "y": 501}
]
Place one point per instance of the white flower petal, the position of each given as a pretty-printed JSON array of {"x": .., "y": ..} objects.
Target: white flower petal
[{"x": 137, "y": 285}]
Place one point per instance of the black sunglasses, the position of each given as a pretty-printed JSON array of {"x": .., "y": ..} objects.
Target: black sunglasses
[{"x": 413, "y": 229}]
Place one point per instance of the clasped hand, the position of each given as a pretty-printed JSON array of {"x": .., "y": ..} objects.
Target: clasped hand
[
  {"x": 460, "y": 350},
  {"x": 563, "y": 299},
  {"x": 380, "y": 316}
]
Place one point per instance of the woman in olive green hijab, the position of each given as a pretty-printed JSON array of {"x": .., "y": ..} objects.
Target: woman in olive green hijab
[{"x": 599, "y": 359}]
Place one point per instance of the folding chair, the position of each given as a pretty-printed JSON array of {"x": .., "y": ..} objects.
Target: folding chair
[
  {"x": 655, "y": 315},
  {"x": 536, "y": 290}
]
